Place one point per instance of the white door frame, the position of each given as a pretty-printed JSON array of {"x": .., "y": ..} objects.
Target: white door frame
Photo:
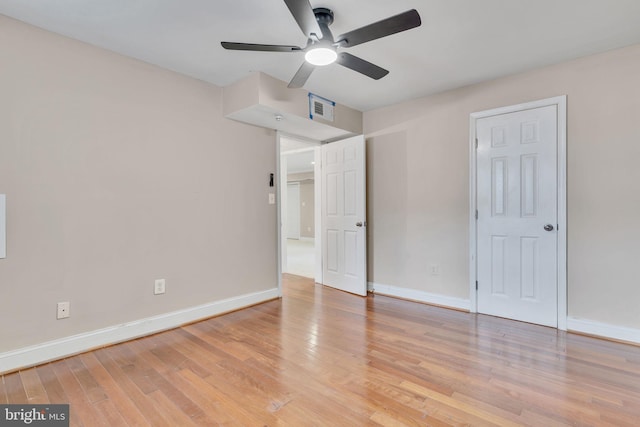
[
  {"x": 317, "y": 214},
  {"x": 561, "y": 107}
]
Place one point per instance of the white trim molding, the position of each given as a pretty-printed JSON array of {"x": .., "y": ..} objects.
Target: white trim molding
[
  {"x": 68, "y": 346},
  {"x": 421, "y": 296},
  {"x": 561, "y": 103},
  {"x": 590, "y": 327}
]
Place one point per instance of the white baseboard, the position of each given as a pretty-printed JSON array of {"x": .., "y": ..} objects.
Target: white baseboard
[
  {"x": 421, "y": 296},
  {"x": 63, "y": 347},
  {"x": 605, "y": 330}
]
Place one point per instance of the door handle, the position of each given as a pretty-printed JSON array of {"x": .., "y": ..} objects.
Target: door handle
[
  {"x": 359, "y": 224},
  {"x": 548, "y": 227}
]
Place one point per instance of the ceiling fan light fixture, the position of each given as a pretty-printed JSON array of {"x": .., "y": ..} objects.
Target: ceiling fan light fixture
[
  {"x": 321, "y": 56},
  {"x": 322, "y": 48}
]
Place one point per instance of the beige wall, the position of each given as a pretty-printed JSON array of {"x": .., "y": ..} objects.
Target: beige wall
[
  {"x": 418, "y": 195},
  {"x": 117, "y": 173}
]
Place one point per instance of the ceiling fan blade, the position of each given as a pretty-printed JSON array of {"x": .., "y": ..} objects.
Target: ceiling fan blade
[
  {"x": 361, "y": 66},
  {"x": 395, "y": 24},
  {"x": 304, "y": 16},
  {"x": 260, "y": 47},
  {"x": 302, "y": 75}
]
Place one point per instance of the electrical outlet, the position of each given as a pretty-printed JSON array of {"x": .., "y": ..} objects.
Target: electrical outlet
[
  {"x": 63, "y": 310},
  {"x": 159, "y": 287},
  {"x": 272, "y": 198}
]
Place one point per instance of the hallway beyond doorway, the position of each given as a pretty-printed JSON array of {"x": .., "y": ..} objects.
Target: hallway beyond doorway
[{"x": 301, "y": 257}]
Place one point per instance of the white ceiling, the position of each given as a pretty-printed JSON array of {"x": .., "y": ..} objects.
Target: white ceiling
[{"x": 460, "y": 42}]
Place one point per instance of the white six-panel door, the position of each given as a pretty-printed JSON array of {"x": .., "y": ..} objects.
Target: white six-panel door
[
  {"x": 343, "y": 215},
  {"x": 517, "y": 215}
]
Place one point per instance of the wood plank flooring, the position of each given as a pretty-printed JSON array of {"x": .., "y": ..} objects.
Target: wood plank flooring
[{"x": 320, "y": 357}]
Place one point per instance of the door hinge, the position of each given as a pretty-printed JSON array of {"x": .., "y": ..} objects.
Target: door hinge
[
  {"x": 476, "y": 213},
  {"x": 476, "y": 285},
  {"x": 476, "y": 143}
]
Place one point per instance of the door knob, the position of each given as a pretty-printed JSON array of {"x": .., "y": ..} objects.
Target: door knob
[
  {"x": 548, "y": 227},
  {"x": 358, "y": 224}
]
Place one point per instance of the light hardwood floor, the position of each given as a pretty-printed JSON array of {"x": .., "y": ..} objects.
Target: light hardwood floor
[{"x": 327, "y": 358}]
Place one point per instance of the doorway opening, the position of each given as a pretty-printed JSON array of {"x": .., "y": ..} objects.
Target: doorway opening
[
  {"x": 339, "y": 214},
  {"x": 299, "y": 207}
]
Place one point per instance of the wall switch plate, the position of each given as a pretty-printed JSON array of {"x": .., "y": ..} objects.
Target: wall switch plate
[
  {"x": 63, "y": 310},
  {"x": 434, "y": 269},
  {"x": 159, "y": 287},
  {"x": 272, "y": 198}
]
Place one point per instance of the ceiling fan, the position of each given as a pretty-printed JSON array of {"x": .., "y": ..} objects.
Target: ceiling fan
[{"x": 323, "y": 49}]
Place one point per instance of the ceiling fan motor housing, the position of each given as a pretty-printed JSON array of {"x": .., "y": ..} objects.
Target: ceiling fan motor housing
[{"x": 323, "y": 15}]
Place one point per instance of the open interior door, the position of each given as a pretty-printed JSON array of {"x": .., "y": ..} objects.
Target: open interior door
[{"x": 344, "y": 233}]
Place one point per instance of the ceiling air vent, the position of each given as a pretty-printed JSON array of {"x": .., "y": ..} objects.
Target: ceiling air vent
[{"x": 320, "y": 107}]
